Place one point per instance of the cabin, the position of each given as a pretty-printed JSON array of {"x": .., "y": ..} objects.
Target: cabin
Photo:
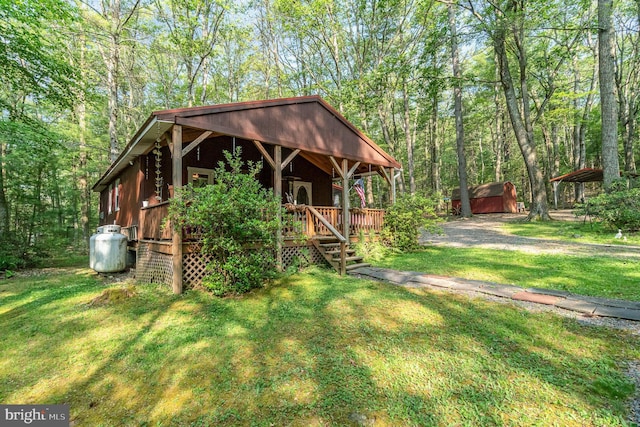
[
  {"x": 493, "y": 197},
  {"x": 307, "y": 149}
]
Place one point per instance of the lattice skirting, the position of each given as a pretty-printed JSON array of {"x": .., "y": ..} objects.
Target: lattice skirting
[
  {"x": 153, "y": 267},
  {"x": 309, "y": 254}
]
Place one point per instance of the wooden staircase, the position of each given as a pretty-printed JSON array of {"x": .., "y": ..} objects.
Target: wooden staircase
[{"x": 330, "y": 248}]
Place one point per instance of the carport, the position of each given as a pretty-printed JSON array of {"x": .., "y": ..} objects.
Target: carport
[{"x": 581, "y": 175}]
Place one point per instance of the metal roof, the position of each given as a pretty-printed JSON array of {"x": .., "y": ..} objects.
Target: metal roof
[
  {"x": 582, "y": 175},
  {"x": 307, "y": 123}
]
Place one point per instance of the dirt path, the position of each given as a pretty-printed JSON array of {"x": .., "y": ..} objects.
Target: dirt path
[{"x": 484, "y": 231}]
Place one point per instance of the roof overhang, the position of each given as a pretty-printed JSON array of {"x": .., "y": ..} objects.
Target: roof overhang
[
  {"x": 581, "y": 175},
  {"x": 141, "y": 143},
  {"x": 306, "y": 123}
]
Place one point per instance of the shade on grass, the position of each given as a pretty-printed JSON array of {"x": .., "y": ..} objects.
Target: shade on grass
[
  {"x": 606, "y": 277},
  {"x": 311, "y": 349}
]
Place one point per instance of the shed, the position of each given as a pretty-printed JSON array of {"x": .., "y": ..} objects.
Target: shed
[{"x": 493, "y": 197}]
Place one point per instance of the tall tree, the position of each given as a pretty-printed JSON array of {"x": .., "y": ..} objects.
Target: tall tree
[
  {"x": 608, "y": 101},
  {"x": 509, "y": 27},
  {"x": 457, "y": 101},
  {"x": 194, "y": 29},
  {"x": 111, "y": 20}
]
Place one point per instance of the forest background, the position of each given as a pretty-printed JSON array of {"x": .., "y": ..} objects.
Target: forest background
[{"x": 79, "y": 78}]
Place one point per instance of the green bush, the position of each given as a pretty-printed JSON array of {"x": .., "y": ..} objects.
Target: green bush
[
  {"x": 404, "y": 220},
  {"x": 238, "y": 219},
  {"x": 618, "y": 208}
]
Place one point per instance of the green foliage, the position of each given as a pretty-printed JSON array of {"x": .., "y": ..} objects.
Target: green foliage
[
  {"x": 32, "y": 60},
  {"x": 618, "y": 208},
  {"x": 404, "y": 220},
  {"x": 371, "y": 248},
  {"x": 239, "y": 220}
]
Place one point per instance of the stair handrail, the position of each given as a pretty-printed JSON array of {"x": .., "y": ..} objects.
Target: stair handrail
[
  {"x": 327, "y": 224},
  {"x": 343, "y": 240}
]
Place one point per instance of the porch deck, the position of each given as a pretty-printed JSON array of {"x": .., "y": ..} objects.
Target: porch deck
[{"x": 313, "y": 232}]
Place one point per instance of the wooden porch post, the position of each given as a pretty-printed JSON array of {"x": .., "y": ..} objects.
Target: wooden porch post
[
  {"x": 277, "y": 166},
  {"x": 277, "y": 191},
  {"x": 392, "y": 175},
  {"x": 345, "y": 199},
  {"x": 177, "y": 233}
]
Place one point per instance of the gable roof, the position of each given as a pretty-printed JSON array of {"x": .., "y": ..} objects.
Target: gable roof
[
  {"x": 490, "y": 189},
  {"x": 307, "y": 123}
]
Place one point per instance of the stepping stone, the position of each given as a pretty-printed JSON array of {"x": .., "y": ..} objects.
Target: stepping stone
[
  {"x": 534, "y": 297},
  {"x": 440, "y": 281},
  {"x": 498, "y": 290},
  {"x": 576, "y": 305},
  {"x": 621, "y": 313},
  {"x": 613, "y": 302},
  {"x": 549, "y": 292},
  {"x": 391, "y": 276}
]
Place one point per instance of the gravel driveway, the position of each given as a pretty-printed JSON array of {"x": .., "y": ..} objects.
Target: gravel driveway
[{"x": 484, "y": 231}]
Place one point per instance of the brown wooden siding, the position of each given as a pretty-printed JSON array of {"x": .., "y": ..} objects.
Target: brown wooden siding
[{"x": 137, "y": 181}]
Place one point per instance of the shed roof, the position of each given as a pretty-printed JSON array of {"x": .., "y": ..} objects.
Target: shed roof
[
  {"x": 307, "y": 123},
  {"x": 581, "y": 175},
  {"x": 491, "y": 189}
]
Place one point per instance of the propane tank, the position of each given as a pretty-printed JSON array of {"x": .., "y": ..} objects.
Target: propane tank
[{"x": 109, "y": 249}]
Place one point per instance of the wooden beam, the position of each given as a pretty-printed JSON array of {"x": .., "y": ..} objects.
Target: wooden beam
[
  {"x": 345, "y": 199},
  {"x": 290, "y": 158},
  {"x": 196, "y": 142},
  {"x": 177, "y": 231},
  {"x": 277, "y": 191},
  {"x": 353, "y": 169},
  {"x": 385, "y": 174},
  {"x": 336, "y": 166},
  {"x": 265, "y": 154},
  {"x": 392, "y": 173}
]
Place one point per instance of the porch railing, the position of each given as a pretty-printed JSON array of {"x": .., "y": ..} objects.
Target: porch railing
[
  {"x": 299, "y": 222},
  {"x": 302, "y": 221}
]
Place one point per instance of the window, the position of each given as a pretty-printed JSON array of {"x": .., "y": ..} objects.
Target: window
[
  {"x": 116, "y": 195},
  {"x": 113, "y": 197},
  {"x": 110, "y": 199},
  {"x": 199, "y": 177}
]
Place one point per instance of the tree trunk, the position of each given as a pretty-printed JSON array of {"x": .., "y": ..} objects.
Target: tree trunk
[
  {"x": 539, "y": 208},
  {"x": 4, "y": 205},
  {"x": 457, "y": 98},
  {"x": 112, "y": 61},
  {"x": 433, "y": 148},
  {"x": 499, "y": 139},
  {"x": 608, "y": 102},
  {"x": 406, "y": 124}
]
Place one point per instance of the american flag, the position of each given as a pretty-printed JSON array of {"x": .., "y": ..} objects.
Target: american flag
[{"x": 359, "y": 187}]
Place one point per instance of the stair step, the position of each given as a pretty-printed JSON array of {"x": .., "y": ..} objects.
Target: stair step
[
  {"x": 354, "y": 266},
  {"x": 350, "y": 258},
  {"x": 330, "y": 245},
  {"x": 337, "y": 252},
  {"x": 325, "y": 238}
]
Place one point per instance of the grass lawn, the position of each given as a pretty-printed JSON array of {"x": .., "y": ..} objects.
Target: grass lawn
[
  {"x": 571, "y": 231},
  {"x": 595, "y": 276},
  {"x": 311, "y": 349}
]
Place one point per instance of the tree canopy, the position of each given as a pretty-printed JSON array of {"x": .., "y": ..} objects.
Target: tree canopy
[{"x": 80, "y": 77}]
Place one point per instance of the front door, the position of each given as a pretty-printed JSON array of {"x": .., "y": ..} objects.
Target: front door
[{"x": 302, "y": 193}]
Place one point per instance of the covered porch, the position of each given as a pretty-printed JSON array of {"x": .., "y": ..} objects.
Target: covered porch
[{"x": 306, "y": 149}]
